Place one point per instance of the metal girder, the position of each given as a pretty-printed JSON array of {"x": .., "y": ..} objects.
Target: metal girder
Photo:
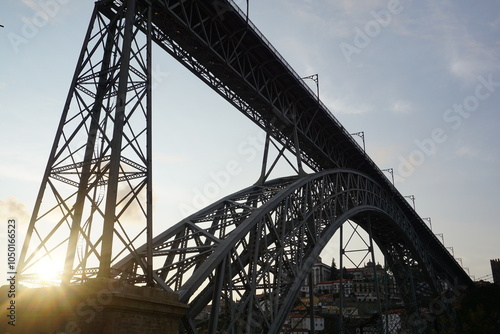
[
  {"x": 99, "y": 168},
  {"x": 249, "y": 253},
  {"x": 246, "y": 72},
  {"x": 217, "y": 42},
  {"x": 268, "y": 237}
]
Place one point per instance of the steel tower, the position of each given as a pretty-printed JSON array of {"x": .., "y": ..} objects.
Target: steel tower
[{"x": 99, "y": 168}]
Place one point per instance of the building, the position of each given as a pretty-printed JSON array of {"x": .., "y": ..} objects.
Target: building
[
  {"x": 366, "y": 283},
  {"x": 391, "y": 321},
  {"x": 320, "y": 272},
  {"x": 305, "y": 303},
  {"x": 299, "y": 323},
  {"x": 495, "y": 269},
  {"x": 334, "y": 287}
]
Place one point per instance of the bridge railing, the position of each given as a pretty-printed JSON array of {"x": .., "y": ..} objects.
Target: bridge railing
[
  {"x": 297, "y": 76},
  {"x": 313, "y": 95},
  {"x": 285, "y": 63}
]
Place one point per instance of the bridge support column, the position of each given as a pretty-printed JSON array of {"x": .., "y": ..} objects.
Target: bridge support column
[{"x": 99, "y": 306}]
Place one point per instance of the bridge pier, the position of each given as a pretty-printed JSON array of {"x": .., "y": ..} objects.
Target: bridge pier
[{"x": 99, "y": 306}]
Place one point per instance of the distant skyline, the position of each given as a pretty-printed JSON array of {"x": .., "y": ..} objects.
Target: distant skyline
[{"x": 420, "y": 79}]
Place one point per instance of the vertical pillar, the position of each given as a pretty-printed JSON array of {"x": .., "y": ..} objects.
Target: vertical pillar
[
  {"x": 83, "y": 186},
  {"x": 341, "y": 285},
  {"x": 214, "y": 314},
  {"x": 149, "y": 148},
  {"x": 387, "y": 296},
  {"x": 116, "y": 145},
  {"x": 375, "y": 278},
  {"x": 311, "y": 300}
]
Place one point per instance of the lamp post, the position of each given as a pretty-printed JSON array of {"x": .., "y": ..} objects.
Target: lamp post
[
  {"x": 440, "y": 235},
  {"x": 412, "y": 198},
  {"x": 390, "y": 171},
  {"x": 452, "y": 252},
  {"x": 315, "y": 78},
  {"x": 429, "y": 220},
  {"x": 360, "y": 134}
]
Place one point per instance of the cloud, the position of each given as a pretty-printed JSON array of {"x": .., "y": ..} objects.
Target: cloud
[
  {"x": 466, "y": 54},
  {"x": 31, "y": 4},
  {"x": 360, "y": 7},
  {"x": 469, "y": 58},
  {"x": 344, "y": 105},
  {"x": 13, "y": 208},
  {"x": 334, "y": 18},
  {"x": 464, "y": 47},
  {"x": 401, "y": 107},
  {"x": 385, "y": 155},
  {"x": 477, "y": 154},
  {"x": 135, "y": 212},
  {"x": 44, "y": 11},
  {"x": 466, "y": 151}
]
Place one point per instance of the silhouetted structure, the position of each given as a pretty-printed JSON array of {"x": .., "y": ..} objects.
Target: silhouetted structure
[
  {"x": 495, "y": 269},
  {"x": 248, "y": 254}
]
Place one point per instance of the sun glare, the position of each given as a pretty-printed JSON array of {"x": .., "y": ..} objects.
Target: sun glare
[{"x": 48, "y": 271}]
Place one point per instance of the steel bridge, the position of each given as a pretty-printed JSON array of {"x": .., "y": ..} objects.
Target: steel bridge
[{"x": 247, "y": 255}]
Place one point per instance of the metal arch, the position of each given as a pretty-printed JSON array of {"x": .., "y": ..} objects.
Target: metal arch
[
  {"x": 225, "y": 252},
  {"x": 225, "y": 51},
  {"x": 249, "y": 253}
]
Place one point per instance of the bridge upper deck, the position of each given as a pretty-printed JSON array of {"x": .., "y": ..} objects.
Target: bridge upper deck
[{"x": 219, "y": 44}]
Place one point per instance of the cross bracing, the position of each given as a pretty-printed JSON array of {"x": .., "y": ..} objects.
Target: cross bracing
[
  {"x": 248, "y": 254},
  {"x": 99, "y": 166},
  {"x": 245, "y": 253}
]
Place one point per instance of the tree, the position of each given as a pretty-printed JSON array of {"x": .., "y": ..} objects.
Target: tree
[
  {"x": 334, "y": 273},
  {"x": 479, "y": 311},
  {"x": 345, "y": 274}
]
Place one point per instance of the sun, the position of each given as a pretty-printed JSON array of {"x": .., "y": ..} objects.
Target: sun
[{"x": 49, "y": 271}]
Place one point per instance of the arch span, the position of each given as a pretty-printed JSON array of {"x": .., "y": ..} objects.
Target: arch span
[{"x": 248, "y": 254}]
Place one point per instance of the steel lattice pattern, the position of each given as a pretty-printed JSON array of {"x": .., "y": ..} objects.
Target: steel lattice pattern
[{"x": 248, "y": 254}]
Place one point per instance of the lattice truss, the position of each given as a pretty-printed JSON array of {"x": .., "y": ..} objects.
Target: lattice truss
[
  {"x": 246, "y": 70},
  {"x": 100, "y": 154},
  {"x": 248, "y": 254}
]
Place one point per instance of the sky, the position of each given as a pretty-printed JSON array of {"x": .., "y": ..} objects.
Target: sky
[{"x": 420, "y": 79}]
